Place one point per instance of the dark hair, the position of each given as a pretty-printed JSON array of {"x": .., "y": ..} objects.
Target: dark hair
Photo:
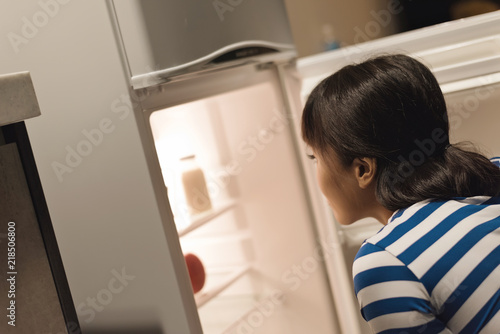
[{"x": 391, "y": 108}]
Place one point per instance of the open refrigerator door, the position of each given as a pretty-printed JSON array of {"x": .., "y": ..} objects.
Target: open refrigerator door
[
  {"x": 224, "y": 143},
  {"x": 228, "y": 156}
]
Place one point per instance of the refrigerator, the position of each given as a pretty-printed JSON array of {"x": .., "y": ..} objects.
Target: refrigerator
[
  {"x": 131, "y": 125},
  {"x": 249, "y": 222},
  {"x": 275, "y": 259}
]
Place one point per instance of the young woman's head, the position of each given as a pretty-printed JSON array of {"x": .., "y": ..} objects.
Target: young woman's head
[{"x": 387, "y": 117}]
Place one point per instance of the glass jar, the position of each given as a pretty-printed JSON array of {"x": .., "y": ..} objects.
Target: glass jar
[{"x": 195, "y": 186}]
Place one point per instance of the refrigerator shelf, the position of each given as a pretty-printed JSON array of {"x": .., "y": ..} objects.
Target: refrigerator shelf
[
  {"x": 255, "y": 307},
  {"x": 205, "y": 217},
  {"x": 203, "y": 297}
]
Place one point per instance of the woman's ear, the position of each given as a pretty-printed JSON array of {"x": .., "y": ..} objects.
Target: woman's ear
[{"x": 364, "y": 171}]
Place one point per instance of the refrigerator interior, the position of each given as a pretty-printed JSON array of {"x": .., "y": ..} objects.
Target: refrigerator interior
[{"x": 264, "y": 263}]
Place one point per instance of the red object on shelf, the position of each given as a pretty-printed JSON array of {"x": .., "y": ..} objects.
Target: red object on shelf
[{"x": 196, "y": 271}]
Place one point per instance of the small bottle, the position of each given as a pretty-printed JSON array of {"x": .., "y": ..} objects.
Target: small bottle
[
  {"x": 330, "y": 42},
  {"x": 195, "y": 186}
]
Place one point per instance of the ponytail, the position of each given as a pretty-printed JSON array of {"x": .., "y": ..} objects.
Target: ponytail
[{"x": 458, "y": 172}]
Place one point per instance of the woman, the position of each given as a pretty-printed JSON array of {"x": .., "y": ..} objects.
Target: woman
[{"x": 379, "y": 134}]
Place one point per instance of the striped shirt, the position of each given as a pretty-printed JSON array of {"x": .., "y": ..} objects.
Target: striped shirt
[{"x": 434, "y": 268}]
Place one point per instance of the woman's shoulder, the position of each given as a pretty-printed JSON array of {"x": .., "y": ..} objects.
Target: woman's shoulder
[
  {"x": 420, "y": 211},
  {"x": 428, "y": 231},
  {"x": 428, "y": 220}
]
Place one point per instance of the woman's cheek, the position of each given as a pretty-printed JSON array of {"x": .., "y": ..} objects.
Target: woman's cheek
[
  {"x": 325, "y": 184},
  {"x": 321, "y": 178}
]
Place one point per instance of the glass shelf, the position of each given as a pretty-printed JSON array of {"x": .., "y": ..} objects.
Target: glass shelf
[
  {"x": 203, "y": 218},
  {"x": 254, "y": 307},
  {"x": 248, "y": 297},
  {"x": 223, "y": 283}
]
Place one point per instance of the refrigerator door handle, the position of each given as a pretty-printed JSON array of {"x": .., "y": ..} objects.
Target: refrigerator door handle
[{"x": 224, "y": 58}]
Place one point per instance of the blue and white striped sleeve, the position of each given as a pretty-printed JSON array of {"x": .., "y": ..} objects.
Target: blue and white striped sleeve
[
  {"x": 391, "y": 298},
  {"x": 496, "y": 161}
]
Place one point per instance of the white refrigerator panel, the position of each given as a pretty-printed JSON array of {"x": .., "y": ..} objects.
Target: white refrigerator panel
[{"x": 474, "y": 117}]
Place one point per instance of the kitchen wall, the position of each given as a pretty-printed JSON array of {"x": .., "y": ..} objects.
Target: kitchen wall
[
  {"x": 357, "y": 21},
  {"x": 352, "y": 21},
  {"x": 93, "y": 168}
]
